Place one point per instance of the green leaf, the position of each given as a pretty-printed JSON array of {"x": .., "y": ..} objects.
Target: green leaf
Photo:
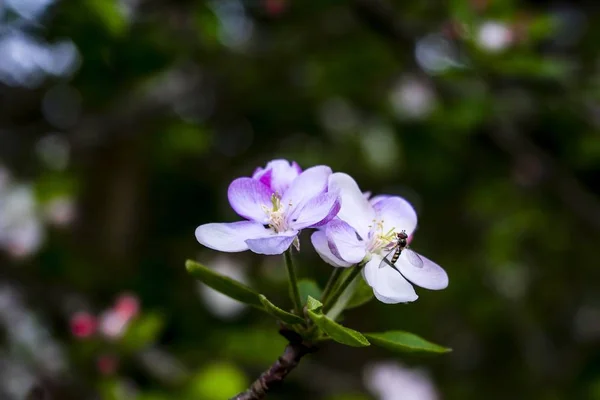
[
  {"x": 405, "y": 342},
  {"x": 142, "y": 332},
  {"x": 313, "y": 304},
  {"x": 335, "y": 331},
  {"x": 307, "y": 288},
  {"x": 217, "y": 381},
  {"x": 363, "y": 293},
  {"x": 278, "y": 313},
  {"x": 224, "y": 284}
]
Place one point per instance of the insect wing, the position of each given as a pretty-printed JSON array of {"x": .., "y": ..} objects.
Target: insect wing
[
  {"x": 413, "y": 258},
  {"x": 387, "y": 260}
]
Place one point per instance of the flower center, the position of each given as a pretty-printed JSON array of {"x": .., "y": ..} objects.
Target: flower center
[
  {"x": 276, "y": 214},
  {"x": 380, "y": 239}
]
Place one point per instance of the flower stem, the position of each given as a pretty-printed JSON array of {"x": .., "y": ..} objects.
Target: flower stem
[
  {"x": 342, "y": 287},
  {"x": 294, "y": 292},
  {"x": 335, "y": 275}
]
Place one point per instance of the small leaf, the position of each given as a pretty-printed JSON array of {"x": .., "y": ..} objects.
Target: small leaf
[
  {"x": 224, "y": 284},
  {"x": 405, "y": 342},
  {"x": 307, "y": 288},
  {"x": 278, "y": 313},
  {"x": 313, "y": 304},
  {"x": 363, "y": 293},
  {"x": 337, "y": 332}
]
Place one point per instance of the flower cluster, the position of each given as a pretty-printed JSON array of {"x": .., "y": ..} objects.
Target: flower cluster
[
  {"x": 23, "y": 217},
  {"x": 111, "y": 324},
  {"x": 352, "y": 228}
]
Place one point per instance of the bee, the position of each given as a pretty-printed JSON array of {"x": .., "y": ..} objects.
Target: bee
[{"x": 397, "y": 247}]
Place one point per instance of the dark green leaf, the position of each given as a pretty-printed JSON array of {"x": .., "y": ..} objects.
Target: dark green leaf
[
  {"x": 307, "y": 288},
  {"x": 278, "y": 313},
  {"x": 335, "y": 331},
  {"x": 405, "y": 342},
  {"x": 363, "y": 293},
  {"x": 224, "y": 284}
]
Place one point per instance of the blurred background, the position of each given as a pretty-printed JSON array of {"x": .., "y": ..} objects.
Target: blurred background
[{"x": 122, "y": 122}]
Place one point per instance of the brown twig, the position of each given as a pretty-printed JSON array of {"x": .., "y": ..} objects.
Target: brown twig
[{"x": 294, "y": 351}]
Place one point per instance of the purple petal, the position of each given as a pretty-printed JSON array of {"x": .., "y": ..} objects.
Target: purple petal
[
  {"x": 355, "y": 210},
  {"x": 344, "y": 243},
  {"x": 265, "y": 178},
  {"x": 397, "y": 214},
  {"x": 376, "y": 199},
  {"x": 319, "y": 241},
  {"x": 248, "y": 197},
  {"x": 429, "y": 276},
  {"x": 229, "y": 237},
  {"x": 316, "y": 212},
  {"x": 389, "y": 286},
  {"x": 274, "y": 244},
  {"x": 311, "y": 183},
  {"x": 278, "y": 175}
]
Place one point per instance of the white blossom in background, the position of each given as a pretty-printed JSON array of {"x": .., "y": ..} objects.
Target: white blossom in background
[
  {"x": 379, "y": 145},
  {"x": 113, "y": 323},
  {"x": 29, "y": 9},
  {"x": 338, "y": 116},
  {"x": 412, "y": 98},
  {"x": 21, "y": 230},
  {"x": 393, "y": 381},
  {"x": 54, "y": 151},
  {"x": 27, "y": 61},
  {"x": 4, "y": 179},
  {"x": 494, "y": 36},
  {"x": 435, "y": 54},
  {"x": 217, "y": 303},
  {"x": 16, "y": 380},
  {"x": 25, "y": 332},
  {"x": 60, "y": 211},
  {"x": 236, "y": 28}
]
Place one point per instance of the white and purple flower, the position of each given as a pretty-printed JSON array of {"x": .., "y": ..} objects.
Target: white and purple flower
[
  {"x": 277, "y": 203},
  {"x": 362, "y": 232}
]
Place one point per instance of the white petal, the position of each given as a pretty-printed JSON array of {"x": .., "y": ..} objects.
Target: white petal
[
  {"x": 356, "y": 209},
  {"x": 396, "y": 213},
  {"x": 248, "y": 196},
  {"x": 229, "y": 237},
  {"x": 278, "y": 174},
  {"x": 388, "y": 284},
  {"x": 272, "y": 245},
  {"x": 386, "y": 300},
  {"x": 310, "y": 183},
  {"x": 370, "y": 269},
  {"x": 319, "y": 241},
  {"x": 315, "y": 212},
  {"x": 344, "y": 243},
  {"x": 429, "y": 276}
]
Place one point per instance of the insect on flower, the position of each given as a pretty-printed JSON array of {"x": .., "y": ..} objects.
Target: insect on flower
[{"x": 397, "y": 247}]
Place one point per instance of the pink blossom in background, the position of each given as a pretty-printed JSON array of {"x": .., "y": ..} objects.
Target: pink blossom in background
[
  {"x": 83, "y": 325},
  {"x": 112, "y": 325},
  {"x": 114, "y": 321},
  {"x": 107, "y": 364},
  {"x": 275, "y": 7},
  {"x": 127, "y": 306}
]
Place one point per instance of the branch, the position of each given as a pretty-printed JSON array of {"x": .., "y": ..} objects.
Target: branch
[{"x": 294, "y": 351}]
